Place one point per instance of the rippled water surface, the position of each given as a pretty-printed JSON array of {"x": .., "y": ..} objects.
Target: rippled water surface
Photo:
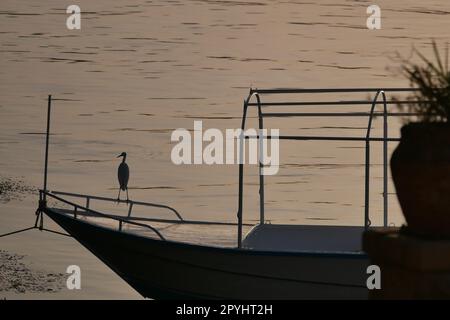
[{"x": 137, "y": 70}]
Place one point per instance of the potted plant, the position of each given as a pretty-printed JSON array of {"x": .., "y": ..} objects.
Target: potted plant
[{"x": 420, "y": 165}]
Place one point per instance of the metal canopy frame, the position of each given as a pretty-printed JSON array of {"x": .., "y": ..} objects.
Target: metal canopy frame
[
  {"x": 80, "y": 210},
  {"x": 257, "y": 94}
]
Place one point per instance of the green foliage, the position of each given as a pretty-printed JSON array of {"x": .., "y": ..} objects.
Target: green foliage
[{"x": 432, "y": 79}]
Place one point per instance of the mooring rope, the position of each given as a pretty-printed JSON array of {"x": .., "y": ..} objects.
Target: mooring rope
[
  {"x": 17, "y": 231},
  {"x": 56, "y": 232},
  {"x": 40, "y": 221}
]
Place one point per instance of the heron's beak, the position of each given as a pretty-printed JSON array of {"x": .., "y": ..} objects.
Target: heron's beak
[{"x": 119, "y": 156}]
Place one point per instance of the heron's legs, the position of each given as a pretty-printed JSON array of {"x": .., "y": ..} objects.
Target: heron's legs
[
  {"x": 118, "y": 196},
  {"x": 127, "y": 195}
]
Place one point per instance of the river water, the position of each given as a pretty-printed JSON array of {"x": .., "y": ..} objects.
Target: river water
[{"x": 137, "y": 70}]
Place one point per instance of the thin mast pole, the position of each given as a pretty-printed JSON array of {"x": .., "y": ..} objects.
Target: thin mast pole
[
  {"x": 385, "y": 162},
  {"x": 261, "y": 164},
  {"x": 49, "y": 106},
  {"x": 241, "y": 171}
]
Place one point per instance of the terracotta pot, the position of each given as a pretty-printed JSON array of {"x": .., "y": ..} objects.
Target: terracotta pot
[{"x": 420, "y": 168}]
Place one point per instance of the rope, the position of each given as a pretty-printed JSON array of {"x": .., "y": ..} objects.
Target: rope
[
  {"x": 40, "y": 221},
  {"x": 34, "y": 227},
  {"x": 57, "y": 232},
  {"x": 17, "y": 231}
]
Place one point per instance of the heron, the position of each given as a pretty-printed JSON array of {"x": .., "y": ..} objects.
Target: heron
[{"x": 123, "y": 174}]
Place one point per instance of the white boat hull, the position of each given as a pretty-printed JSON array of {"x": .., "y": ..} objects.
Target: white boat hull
[{"x": 172, "y": 270}]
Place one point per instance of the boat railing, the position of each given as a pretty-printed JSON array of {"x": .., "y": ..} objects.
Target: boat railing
[
  {"x": 257, "y": 94},
  {"x": 130, "y": 203},
  {"x": 88, "y": 211},
  {"x": 77, "y": 207}
]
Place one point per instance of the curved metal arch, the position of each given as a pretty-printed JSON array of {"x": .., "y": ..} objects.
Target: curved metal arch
[
  {"x": 367, "y": 221},
  {"x": 252, "y": 93}
]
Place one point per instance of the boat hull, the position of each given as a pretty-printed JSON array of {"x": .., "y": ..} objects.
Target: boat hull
[{"x": 171, "y": 270}]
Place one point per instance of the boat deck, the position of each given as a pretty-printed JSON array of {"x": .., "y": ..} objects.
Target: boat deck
[
  {"x": 266, "y": 237},
  {"x": 208, "y": 235}
]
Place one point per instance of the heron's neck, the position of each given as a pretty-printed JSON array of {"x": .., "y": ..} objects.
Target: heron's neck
[{"x": 123, "y": 159}]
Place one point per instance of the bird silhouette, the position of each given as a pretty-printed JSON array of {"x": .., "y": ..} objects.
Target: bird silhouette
[{"x": 123, "y": 174}]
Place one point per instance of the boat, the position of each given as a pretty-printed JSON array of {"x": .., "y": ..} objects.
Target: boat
[{"x": 270, "y": 261}]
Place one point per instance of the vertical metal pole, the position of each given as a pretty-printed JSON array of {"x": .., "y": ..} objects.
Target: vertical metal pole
[
  {"x": 49, "y": 105},
  {"x": 367, "y": 185},
  {"x": 241, "y": 175},
  {"x": 261, "y": 140},
  {"x": 129, "y": 209},
  {"x": 367, "y": 163},
  {"x": 385, "y": 163}
]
